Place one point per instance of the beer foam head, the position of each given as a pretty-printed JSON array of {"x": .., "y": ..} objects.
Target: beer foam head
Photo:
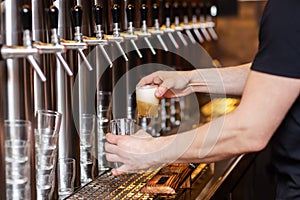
[{"x": 146, "y": 94}]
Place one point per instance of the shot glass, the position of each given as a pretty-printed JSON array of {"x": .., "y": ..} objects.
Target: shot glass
[
  {"x": 147, "y": 102},
  {"x": 66, "y": 176},
  {"x": 122, "y": 126},
  {"x": 48, "y": 121},
  {"x": 44, "y": 141},
  {"x": 16, "y": 150},
  {"x": 44, "y": 186}
]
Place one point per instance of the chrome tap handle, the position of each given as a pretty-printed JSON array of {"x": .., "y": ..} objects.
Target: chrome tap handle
[
  {"x": 157, "y": 32},
  {"x": 213, "y": 12},
  {"x": 178, "y": 29},
  {"x": 144, "y": 14},
  {"x": 194, "y": 22},
  {"x": 185, "y": 12},
  {"x": 76, "y": 13},
  {"x": 130, "y": 18},
  {"x": 187, "y": 27},
  {"x": 98, "y": 15},
  {"x": 53, "y": 16},
  {"x": 26, "y": 17},
  {"x": 130, "y": 13},
  {"x": 144, "y": 30},
  {"x": 115, "y": 11},
  {"x": 167, "y": 11},
  {"x": 155, "y": 15},
  {"x": 194, "y": 12},
  {"x": 176, "y": 13},
  {"x": 168, "y": 30}
]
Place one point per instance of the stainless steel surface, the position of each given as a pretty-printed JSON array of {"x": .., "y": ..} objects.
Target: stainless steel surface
[
  {"x": 18, "y": 99},
  {"x": 68, "y": 137}
]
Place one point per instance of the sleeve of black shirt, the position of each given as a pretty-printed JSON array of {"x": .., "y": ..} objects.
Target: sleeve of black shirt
[{"x": 279, "y": 39}]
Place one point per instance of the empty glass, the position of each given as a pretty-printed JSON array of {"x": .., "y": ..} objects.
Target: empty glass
[
  {"x": 66, "y": 176},
  {"x": 122, "y": 126},
  {"x": 102, "y": 162},
  {"x": 17, "y": 157},
  {"x": 48, "y": 120},
  {"x": 87, "y": 147},
  {"x": 103, "y": 117},
  {"x": 44, "y": 184},
  {"x": 103, "y": 100},
  {"x": 48, "y": 124}
]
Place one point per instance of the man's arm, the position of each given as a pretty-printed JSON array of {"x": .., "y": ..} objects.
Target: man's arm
[
  {"x": 265, "y": 102},
  {"x": 226, "y": 80}
]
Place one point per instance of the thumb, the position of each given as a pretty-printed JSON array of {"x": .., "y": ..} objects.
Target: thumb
[{"x": 111, "y": 138}]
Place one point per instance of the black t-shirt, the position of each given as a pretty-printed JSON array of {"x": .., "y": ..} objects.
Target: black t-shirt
[{"x": 279, "y": 54}]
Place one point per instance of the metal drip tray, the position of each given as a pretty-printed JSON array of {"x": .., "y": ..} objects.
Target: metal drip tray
[{"x": 130, "y": 186}]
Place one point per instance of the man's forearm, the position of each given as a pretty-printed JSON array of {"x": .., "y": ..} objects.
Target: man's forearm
[{"x": 227, "y": 80}]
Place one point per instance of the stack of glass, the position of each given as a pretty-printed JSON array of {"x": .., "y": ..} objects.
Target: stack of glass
[
  {"x": 103, "y": 118},
  {"x": 17, "y": 157},
  {"x": 46, "y": 140},
  {"x": 87, "y": 147}
]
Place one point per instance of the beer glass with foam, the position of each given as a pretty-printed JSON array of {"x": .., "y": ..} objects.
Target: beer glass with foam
[{"x": 147, "y": 102}]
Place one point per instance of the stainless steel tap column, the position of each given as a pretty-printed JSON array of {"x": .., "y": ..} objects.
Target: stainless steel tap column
[
  {"x": 19, "y": 95},
  {"x": 68, "y": 137},
  {"x": 42, "y": 99},
  {"x": 2, "y": 108}
]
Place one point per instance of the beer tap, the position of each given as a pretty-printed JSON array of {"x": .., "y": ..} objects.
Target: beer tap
[
  {"x": 116, "y": 38},
  {"x": 77, "y": 43},
  {"x": 99, "y": 40},
  {"x": 178, "y": 29},
  {"x": 203, "y": 25},
  {"x": 53, "y": 15},
  {"x": 187, "y": 27},
  {"x": 195, "y": 24},
  {"x": 210, "y": 10},
  {"x": 130, "y": 31},
  {"x": 7, "y": 52},
  {"x": 167, "y": 29},
  {"x": 143, "y": 33},
  {"x": 27, "y": 43},
  {"x": 156, "y": 29}
]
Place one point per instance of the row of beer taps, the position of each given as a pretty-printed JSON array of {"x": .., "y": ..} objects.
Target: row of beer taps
[{"x": 201, "y": 24}]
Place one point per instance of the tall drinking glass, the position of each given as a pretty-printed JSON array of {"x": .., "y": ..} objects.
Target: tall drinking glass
[
  {"x": 17, "y": 157},
  {"x": 122, "y": 126},
  {"x": 87, "y": 147},
  {"x": 103, "y": 117}
]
